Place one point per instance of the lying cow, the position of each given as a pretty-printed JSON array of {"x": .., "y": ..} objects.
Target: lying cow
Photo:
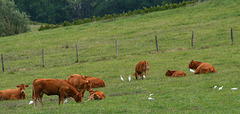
[
  {"x": 96, "y": 82},
  {"x": 201, "y": 67},
  {"x": 60, "y": 87},
  {"x": 141, "y": 67},
  {"x": 80, "y": 83},
  {"x": 96, "y": 95},
  {"x": 14, "y": 93},
  {"x": 172, "y": 73}
]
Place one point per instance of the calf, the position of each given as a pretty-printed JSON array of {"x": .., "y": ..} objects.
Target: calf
[
  {"x": 141, "y": 67},
  {"x": 96, "y": 82},
  {"x": 80, "y": 83},
  {"x": 172, "y": 73},
  {"x": 201, "y": 67},
  {"x": 60, "y": 87},
  {"x": 14, "y": 93},
  {"x": 96, "y": 95}
]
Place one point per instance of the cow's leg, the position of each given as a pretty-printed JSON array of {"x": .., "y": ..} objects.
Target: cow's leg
[
  {"x": 40, "y": 99},
  {"x": 137, "y": 75},
  {"x": 204, "y": 70},
  {"x": 197, "y": 71},
  {"x": 141, "y": 75},
  {"x": 61, "y": 96}
]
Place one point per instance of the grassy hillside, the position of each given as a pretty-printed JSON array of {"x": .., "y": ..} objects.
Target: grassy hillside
[{"x": 211, "y": 22}]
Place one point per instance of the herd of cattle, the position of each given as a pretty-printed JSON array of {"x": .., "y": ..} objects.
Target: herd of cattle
[{"x": 76, "y": 84}]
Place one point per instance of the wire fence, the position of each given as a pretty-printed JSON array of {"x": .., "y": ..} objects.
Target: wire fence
[{"x": 72, "y": 54}]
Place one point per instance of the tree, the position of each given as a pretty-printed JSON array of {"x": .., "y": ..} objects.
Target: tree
[{"x": 11, "y": 20}]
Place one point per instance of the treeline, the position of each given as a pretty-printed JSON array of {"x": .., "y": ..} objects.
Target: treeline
[
  {"x": 58, "y": 11},
  {"x": 114, "y": 15}
]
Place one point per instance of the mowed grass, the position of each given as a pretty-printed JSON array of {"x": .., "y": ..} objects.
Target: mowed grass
[{"x": 211, "y": 22}]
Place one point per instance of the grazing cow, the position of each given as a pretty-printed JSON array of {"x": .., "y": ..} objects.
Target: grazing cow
[
  {"x": 80, "y": 83},
  {"x": 172, "y": 73},
  {"x": 60, "y": 87},
  {"x": 96, "y": 95},
  {"x": 96, "y": 82},
  {"x": 14, "y": 93},
  {"x": 141, "y": 67},
  {"x": 201, "y": 67}
]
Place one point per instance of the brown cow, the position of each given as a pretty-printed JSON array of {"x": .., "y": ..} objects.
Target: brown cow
[
  {"x": 96, "y": 95},
  {"x": 14, "y": 93},
  {"x": 201, "y": 67},
  {"x": 96, "y": 82},
  {"x": 80, "y": 83},
  {"x": 172, "y": 73},
  {"x": 141, "y": 67},
  {"x": 60, "y": 87}
]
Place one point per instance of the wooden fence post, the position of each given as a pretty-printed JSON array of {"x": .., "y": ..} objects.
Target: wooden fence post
[
  {"x": 156, "y": 42},
  {"x": 2, "y": 62},
  {"x": 77, "y": 52},
  {"x": 43, "y": 58},
  {"x": 116, "y": 49},
  {"x": 232, "y": 35},
  {"x": 192, "y": 38}
]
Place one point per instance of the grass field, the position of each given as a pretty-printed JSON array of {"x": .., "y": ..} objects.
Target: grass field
[{"x": 211, "y": 22}]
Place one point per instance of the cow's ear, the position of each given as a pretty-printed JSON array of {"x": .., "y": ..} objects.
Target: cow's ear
[
  {"x": 17, "y": 86},
  {"x": 26, "y": 85}
]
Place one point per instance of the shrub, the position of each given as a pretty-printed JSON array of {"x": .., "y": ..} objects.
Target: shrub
[
  {"x": 41, "y": 28},
  {"x": 66, "y": 23}
]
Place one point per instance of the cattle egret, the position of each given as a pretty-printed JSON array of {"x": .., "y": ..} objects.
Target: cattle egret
[
  {"x": 191, "y": 70},
  {"x": 31, "y": 102},
  {"x": 214, "y": 87},
  {"x": 144, "y": 76},
  {"x": 234, "y": 88},
  {"x": 121, "y": 78},
  {"x": 150, "y": 98},
  {"x": 65, "y": 101},
  {"x": 151, "y": 94},
  {"x": 129, "y": 78},
  {"x": 220, "y": 88}
]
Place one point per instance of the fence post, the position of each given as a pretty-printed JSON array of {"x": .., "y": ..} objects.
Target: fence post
[
  {"x": 156, "y": 42},
  {"x": 116, "y": 49},
  {"x": 2, "y": 62},
  {"x": 43, "y": 58},
  {"x": 192, "y": 38},
  {"x": 232, "y": 35},
  {"x": 77, "y": 52}
]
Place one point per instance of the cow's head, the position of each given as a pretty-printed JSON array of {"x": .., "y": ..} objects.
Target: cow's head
[
  {"x": 88, "y": 85},
  {"x": 192, "y": 65},
  {"x": 168, "y": 73},
  {"x": 22, "y": 88},
  {"x": 78, "y": 97},
  {"x": 96, "y": 97}
]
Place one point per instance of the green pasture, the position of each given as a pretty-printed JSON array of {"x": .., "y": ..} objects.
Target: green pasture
[{"x": 211, "y": 22}]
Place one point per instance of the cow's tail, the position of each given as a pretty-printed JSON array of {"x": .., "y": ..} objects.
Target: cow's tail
[{"x": 33, "y": 91}]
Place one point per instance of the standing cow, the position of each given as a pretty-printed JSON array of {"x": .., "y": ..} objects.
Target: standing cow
[
  {"x": 60, "y": 87},
  {"x": 201, "y": 67},
  {"x": 172, "y": 73},
  {"x": 80, "y": 83},
  {"x": 141, "y": 67},
  {"x": 14, "y": 93}
]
